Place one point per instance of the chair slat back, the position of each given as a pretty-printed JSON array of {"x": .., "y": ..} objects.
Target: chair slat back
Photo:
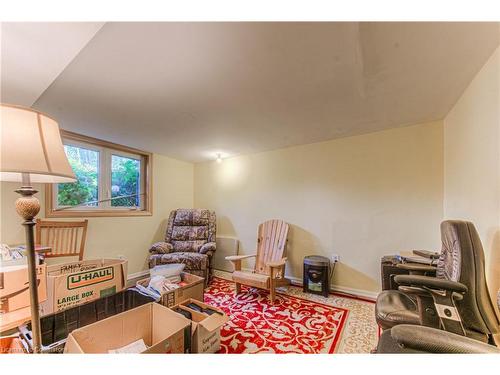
[
  {"x": 65, "y": 238},
  {"x": 271, "y": 244}
]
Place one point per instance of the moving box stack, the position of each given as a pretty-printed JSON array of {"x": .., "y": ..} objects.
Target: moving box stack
[
  {"x": 86, "y": 308},
  {"x": 189, "y": 326}
]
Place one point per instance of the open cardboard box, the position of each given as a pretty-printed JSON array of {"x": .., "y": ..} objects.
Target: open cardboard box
[
  {"x": 205, "y": 329},
  {"x": 14, "y": 289},
  {"x": 193, "y": 288},
  {"x": 162, "y": 330},
  {"x": 71, "y": 284}
]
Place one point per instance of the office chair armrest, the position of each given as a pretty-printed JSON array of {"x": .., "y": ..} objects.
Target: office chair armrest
[
  {"x": 208, "y": 247},
  {"x": 426, "y": 254},
  {"x": 161, "y": 248},
  {"x": 433, "y": 340},
  {"x": 277, "y": 264},
  {"x": 234, "y": 258},
  {"x": 430, "y": 282},
  {"x": 416, "y": 267},
  {"x": 427, "y": 292},
  {"x": 444, "y": 293}
]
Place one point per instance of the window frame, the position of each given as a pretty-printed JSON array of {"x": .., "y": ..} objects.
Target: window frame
[{"x": 106, "y": 151}]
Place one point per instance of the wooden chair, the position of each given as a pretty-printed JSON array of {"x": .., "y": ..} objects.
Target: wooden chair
[
  {"x": 65, "y": 238},
  {"x": 269, "y": 270}
]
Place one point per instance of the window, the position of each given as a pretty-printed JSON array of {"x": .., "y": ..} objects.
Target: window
[{"x": 112, "y": 180}]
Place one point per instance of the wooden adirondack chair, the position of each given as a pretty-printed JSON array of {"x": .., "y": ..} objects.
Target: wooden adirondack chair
[{"x": 269, "y": 270}]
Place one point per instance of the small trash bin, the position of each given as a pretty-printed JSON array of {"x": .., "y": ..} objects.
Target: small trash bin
[{"x": 316, "y": 275}]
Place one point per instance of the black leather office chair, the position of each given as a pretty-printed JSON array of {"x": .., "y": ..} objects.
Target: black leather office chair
[
  {"x": 456, "y": 300},
  {"x": 406, "y": 339}
]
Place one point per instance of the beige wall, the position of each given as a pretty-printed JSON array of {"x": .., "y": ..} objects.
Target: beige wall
[
  {"x": 472, "y": 162},
  {"x": 11, "y": 230},
  {"x": 360, "y": 197},
  {"x": 115, "y": 236}
]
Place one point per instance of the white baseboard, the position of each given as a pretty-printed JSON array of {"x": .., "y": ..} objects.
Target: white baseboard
[
  {"x": 136, "y": 275},
  {"x": 356, "y": 292},
  {"x": 341, "y": 289}
]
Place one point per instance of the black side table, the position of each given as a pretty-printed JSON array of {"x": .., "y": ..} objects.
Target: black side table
[{"x": 316, "y": 275}]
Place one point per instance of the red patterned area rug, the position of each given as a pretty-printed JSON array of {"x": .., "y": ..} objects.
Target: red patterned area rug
[{"x": 290, "y": 325}]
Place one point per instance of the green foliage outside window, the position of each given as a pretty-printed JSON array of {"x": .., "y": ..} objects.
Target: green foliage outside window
[
  {"x": 85, "y": 164},
  {"x": 125, "y": 179}
]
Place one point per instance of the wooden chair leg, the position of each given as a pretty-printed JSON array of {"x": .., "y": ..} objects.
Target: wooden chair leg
[
  {"x": 238, "y": 288},
  {"x": 272, "y": 292}
]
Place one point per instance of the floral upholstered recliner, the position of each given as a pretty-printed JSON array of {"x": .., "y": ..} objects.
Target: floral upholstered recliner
[{"x": 189, "y": 239}]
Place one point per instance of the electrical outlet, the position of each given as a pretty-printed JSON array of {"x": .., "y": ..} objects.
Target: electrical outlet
[{"x": 335, "y": 258}]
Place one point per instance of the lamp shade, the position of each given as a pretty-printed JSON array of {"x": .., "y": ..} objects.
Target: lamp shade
[{"x": 30, "y": 142}]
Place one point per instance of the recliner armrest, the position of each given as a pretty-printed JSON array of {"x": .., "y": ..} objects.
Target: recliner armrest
[
  {"x": 430, "y": 282},
  {"x": 161, "y": 248},
  {"x": 208, "y": 247},
  {"x": 433, "y": 340}
]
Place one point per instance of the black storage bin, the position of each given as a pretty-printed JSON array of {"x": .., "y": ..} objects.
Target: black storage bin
[{"x": 56, "y": 327}]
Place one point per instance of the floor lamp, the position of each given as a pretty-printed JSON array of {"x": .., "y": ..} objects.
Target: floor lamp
[{"x": 31, "y": 151}]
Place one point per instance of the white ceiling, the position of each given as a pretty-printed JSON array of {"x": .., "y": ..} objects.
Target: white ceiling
[
  {"x": 189, "y": 90},
  {"x": 34, "y": 54}
]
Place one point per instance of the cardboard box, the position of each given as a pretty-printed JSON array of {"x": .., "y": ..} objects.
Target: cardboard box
[
  {"x": 12, "y": 345},
  {"x": 14, "y": 287},
  {"x": 205, "y": 329},
  {"x": 195, "y": 288},
  {"x": 71, "y": 284},
  {"x": 56, "y": 327},
  {"x": 162, "y": 330}
]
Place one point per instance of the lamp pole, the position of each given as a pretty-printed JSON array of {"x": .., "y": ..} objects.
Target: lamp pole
[
  {"x": 28, "y": 206},
  {"x": 20, "y": 128}
]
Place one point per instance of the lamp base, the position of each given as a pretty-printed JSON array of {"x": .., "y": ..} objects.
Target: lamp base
[{"x": 27, "y": 206}]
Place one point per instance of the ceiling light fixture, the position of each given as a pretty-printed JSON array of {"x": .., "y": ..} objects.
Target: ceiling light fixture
[{"x": 219, "y": 158}]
